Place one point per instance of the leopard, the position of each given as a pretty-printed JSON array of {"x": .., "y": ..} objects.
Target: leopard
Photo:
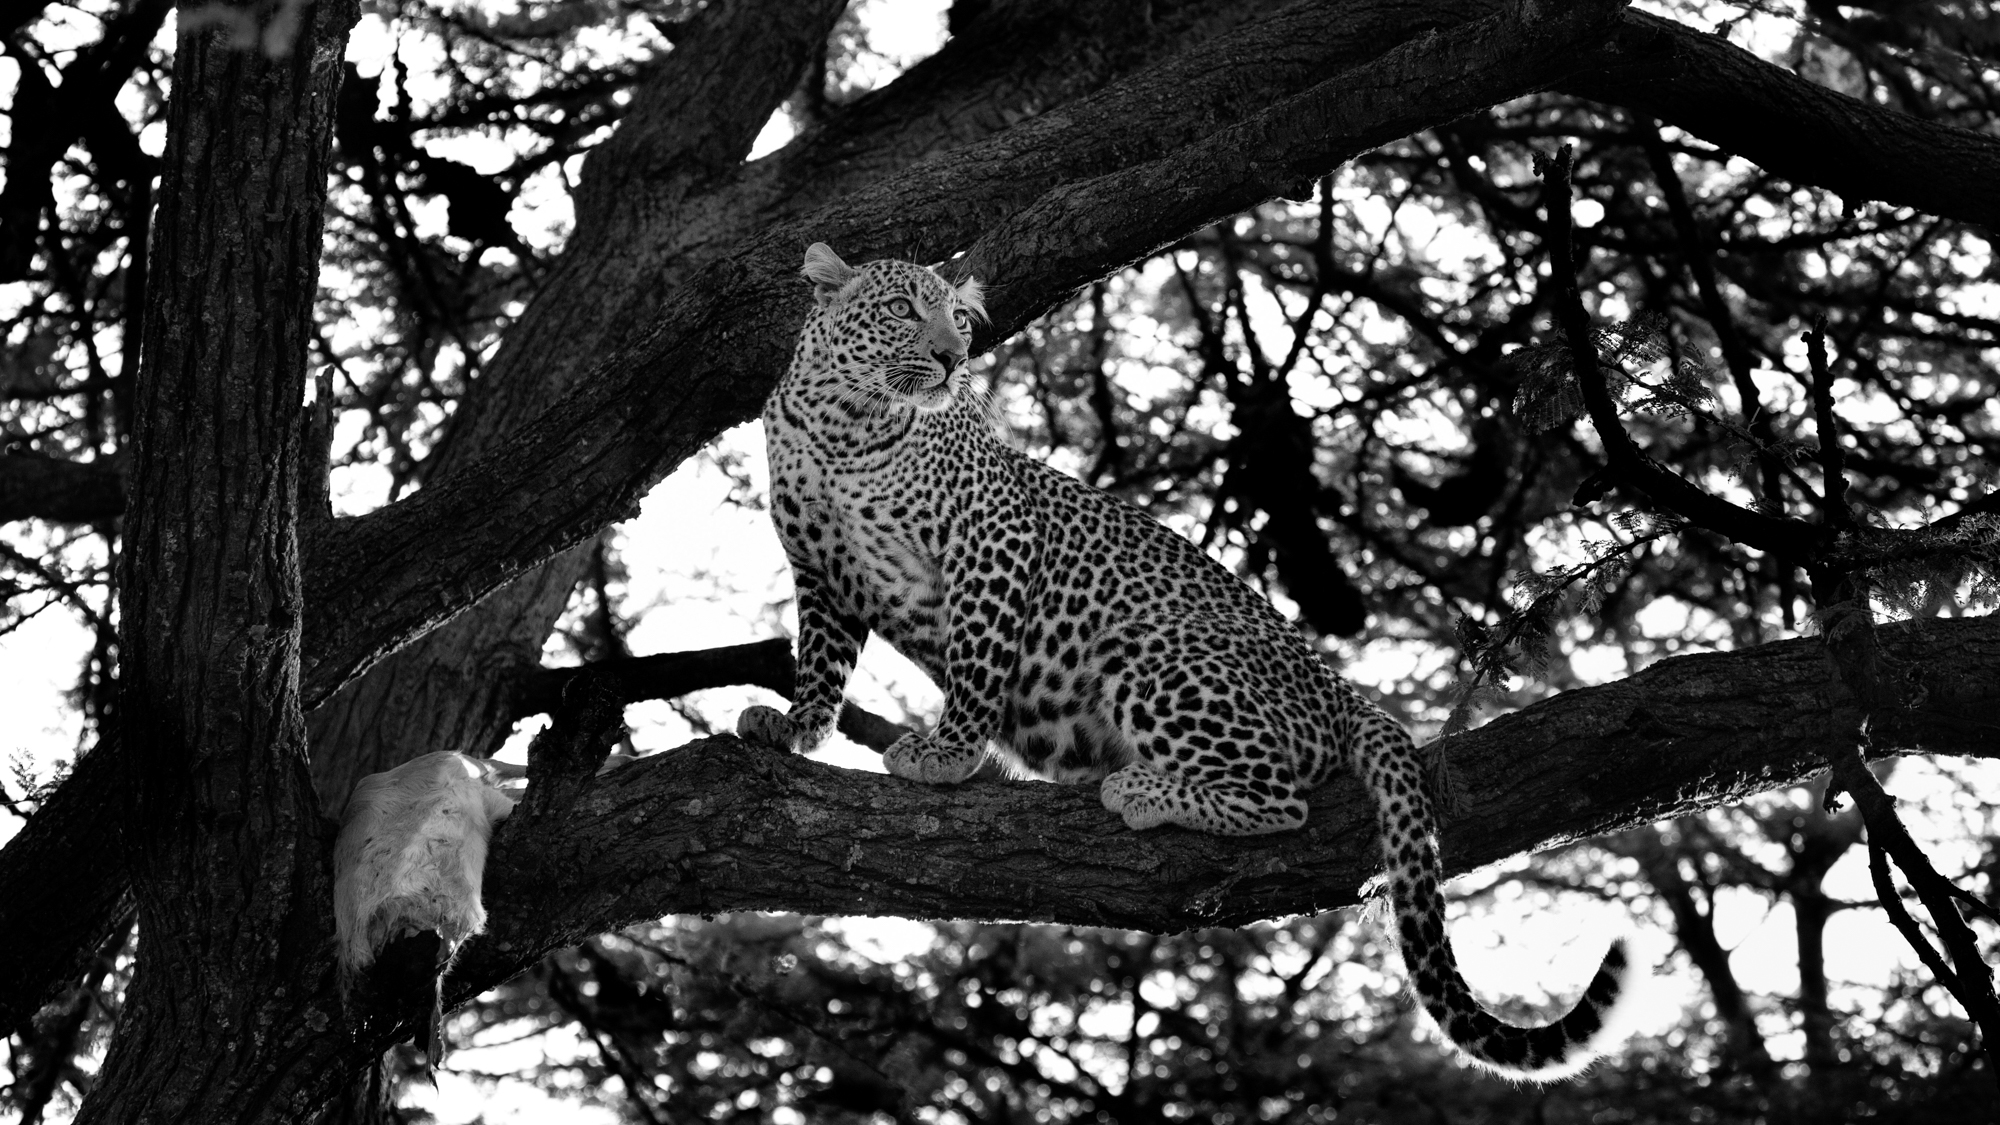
[{"x": 1075, "y": 638}]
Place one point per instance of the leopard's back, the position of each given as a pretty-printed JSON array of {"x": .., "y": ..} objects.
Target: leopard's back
[{"x": 1109, "y": 579}]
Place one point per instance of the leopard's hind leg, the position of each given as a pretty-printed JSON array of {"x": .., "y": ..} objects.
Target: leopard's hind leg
[{"x": 1206, "y": 751}]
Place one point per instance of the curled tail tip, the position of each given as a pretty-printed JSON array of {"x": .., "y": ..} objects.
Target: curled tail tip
[{"x": 1602, "y": 1019}]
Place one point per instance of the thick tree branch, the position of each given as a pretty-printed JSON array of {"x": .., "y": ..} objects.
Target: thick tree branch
[
  {"x": 65, "y": 887},
  {"x": 222, "y": 837},
  {"x": 688, "y": 127},
  {"x": 1804, "y": 132},
  {"x": 668, "y": 675},
  {"x": 50, "y": 488},
  {"x": 665, "y": 675},
  {"x": 719, "y": 825}
]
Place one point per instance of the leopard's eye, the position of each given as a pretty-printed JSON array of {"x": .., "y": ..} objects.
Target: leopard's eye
[
  {"x": 901, "y": 307},
  {"x": 962, "y": 318}
]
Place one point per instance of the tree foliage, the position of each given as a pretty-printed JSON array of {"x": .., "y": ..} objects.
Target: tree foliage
[{"x": 1510, "y": 352}]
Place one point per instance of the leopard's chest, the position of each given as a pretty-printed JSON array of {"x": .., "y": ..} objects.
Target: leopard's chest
[{"x": 876, "y": 540}]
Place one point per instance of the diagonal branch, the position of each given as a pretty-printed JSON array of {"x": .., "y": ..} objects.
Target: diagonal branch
[
  {"x": 1968, "y": 978},
  {"x": 1662, "y": 485},
  {"x": 1800, "y": 130},
  {"x": 1735, "y": 353}
]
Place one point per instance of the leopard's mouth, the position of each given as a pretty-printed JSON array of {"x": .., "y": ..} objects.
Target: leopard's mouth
[
  {"x": 933, "y": 398},
  {"x": 925, "y": 388}
]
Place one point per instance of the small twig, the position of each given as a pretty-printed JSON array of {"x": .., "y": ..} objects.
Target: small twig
[
  {"x": 1832, "y": 460},
  {"x": 1978, "y": 905},
  {"x": 1899, "y": 917},
  {"x": 1489, "y": 656},
  {"x": 65, "y": 590}
]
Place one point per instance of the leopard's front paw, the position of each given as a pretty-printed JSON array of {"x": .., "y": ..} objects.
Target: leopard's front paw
[
  {"x": 1139, "y": 795},
  {"x": 794, "y": 733},
  {"x": 765, "y": 726},
  {"x": 919, "y": 757}
]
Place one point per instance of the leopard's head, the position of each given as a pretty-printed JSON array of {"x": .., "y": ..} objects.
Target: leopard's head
[{"x": 888, "y": 335}]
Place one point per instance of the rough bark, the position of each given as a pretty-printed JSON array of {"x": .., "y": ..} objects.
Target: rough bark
[{"x": 222, "y": 838}]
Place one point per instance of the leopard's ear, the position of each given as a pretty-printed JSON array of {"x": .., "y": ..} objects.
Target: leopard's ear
[
  {"x": 972, "y": 295},
  {"x": 826, "y": 271}
]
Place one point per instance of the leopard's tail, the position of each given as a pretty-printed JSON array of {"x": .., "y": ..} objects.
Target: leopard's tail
[{"x": 1546, "y": 1053}]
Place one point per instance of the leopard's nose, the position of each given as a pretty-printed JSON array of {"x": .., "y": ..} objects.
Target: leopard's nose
[{"x": 948, "y": 360}]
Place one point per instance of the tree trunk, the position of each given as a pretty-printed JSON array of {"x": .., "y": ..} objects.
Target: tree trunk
[{"x": 223, "y": 841}]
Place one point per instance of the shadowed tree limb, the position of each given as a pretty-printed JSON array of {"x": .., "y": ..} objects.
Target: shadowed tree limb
[
  {"x": 1798, "y": 129},
  {"x": 1833, "y": 462},
  {"x": 50, "y": 488},
  {"x": 1968, "y": 977},
  {"x": 1875, "y": 682},
  {"x": 1628, "y": 463},
  {"x": 719, "y": 825},
  {"x": 1735, "y": 353},
  {"x": 669, "y": 675}
]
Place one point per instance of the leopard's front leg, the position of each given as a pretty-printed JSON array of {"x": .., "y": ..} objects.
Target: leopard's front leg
[
  {"x": 829, "y": 643},
  {"x": 988, "y": 568}
]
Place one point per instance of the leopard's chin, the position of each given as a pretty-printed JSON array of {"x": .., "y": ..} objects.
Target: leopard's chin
[{"x": 931, "y": 400}]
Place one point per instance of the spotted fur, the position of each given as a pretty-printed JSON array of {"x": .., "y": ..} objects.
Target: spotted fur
[{"x": 1081, "y": 638}]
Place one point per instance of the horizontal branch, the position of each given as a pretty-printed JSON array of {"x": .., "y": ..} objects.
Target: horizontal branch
[
  {"x": 670, "y": 675},
  {"x": 666, "y": 675},
  {"x": 719, "y": 825},
  {"x": 60, "y": 491}
]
